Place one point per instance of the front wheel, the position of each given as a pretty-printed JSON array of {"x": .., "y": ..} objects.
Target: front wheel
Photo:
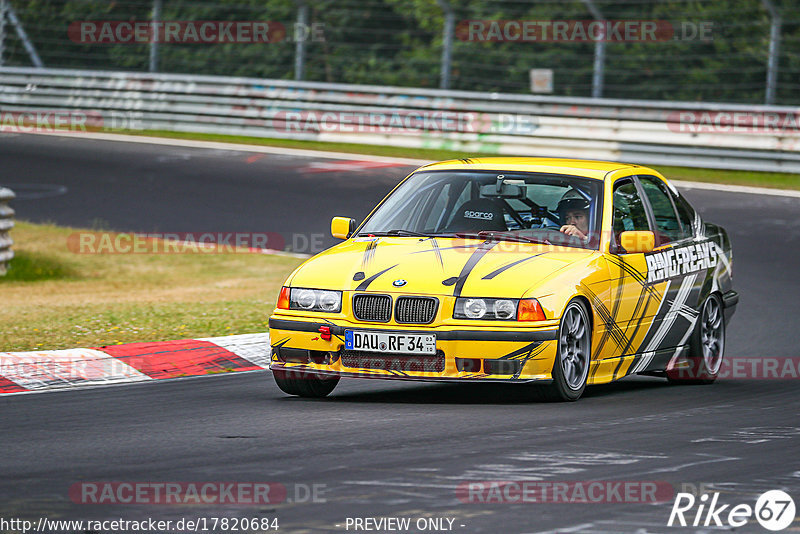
[
  {"x": 706, "y": 347},
  {"x": 303, "y": 384},
  {"x": 573, "y": 355}
]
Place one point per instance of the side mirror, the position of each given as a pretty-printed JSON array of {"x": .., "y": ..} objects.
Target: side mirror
[
  {"x": 342, "y": 227},
  {"x": 637, "y": 242}
]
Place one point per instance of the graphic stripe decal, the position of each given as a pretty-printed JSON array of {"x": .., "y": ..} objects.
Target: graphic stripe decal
[
  {"x": 369, "y": 253},
  {"x": 435, "y": 246},
  {"x": 641, "y": 362},
  {"x": 685, "y": 337},
  {"x": 507, "y": 266},
  {"x": 365, "y": 284},
  {"x": 459, "y": 247},
  {"x": 471, "y": 263},
  {"x": 612, "y": 327},
  {"x": 629, "y": 347}
]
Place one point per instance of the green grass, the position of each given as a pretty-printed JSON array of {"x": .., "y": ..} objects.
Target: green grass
[
  {"x": 55, "y": 298},
  {"x": 748, "y": 178},
  {"x": 32, "y": 267}
]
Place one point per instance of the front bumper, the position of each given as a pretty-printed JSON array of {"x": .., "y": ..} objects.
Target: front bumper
[{"x": 502, "y": 354}]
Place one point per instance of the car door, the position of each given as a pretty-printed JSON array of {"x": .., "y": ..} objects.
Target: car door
[
  {"x": 631, "y": 301},
  {"x": 671, "y": 264}
]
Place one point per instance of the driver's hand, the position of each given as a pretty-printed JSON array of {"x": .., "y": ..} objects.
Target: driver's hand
[{"x": 572, "y": 230}]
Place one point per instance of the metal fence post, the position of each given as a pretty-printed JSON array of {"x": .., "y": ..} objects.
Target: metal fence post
[
  {"x": 447, "y": 43},
  {"x": 6, "y": 224},
  {"x": 598, "y": 69},
  {"x": 154, "y": 35},
  {"x": 2, "y": 31},
  {"x": 26, "y": 42},
  {"x": 300, "y": 44},
  {"x": 774, "y": 49}
]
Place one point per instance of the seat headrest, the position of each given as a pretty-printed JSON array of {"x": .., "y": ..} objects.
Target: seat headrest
[{"x": 478, "y": 214}]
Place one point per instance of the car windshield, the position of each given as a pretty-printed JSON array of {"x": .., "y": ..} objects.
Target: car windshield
[{"x": 514, "y": 206}]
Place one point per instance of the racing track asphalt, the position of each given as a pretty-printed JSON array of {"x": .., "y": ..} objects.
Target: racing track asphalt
[{"x": 383, "y": 448}]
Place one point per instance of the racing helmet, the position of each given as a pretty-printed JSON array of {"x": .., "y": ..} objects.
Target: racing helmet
[{"x": 572, "y": 200}]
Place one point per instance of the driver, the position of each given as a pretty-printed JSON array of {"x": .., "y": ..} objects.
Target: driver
[{"x": 574, "y": 211}]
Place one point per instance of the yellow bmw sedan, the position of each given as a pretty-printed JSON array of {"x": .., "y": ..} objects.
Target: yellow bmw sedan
[{"x": 561, "y": 273}]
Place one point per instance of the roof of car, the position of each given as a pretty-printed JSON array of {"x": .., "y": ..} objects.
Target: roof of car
[{"x": 578, "y": 167}]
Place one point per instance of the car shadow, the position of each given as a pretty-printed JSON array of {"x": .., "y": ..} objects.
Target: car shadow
[{"x": 483, "y": 394}]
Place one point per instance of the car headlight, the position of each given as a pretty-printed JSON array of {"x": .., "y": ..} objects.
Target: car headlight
[
  {"x": 498, "y": 309},
  {"x": 486, "y": 309},
  {"x": 317, "y": 300}
]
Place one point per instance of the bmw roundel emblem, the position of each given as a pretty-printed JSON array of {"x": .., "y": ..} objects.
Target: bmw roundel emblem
[{"x": 399, "y": 283}]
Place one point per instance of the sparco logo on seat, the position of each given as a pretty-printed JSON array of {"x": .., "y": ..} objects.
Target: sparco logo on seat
[{"x": 478, "y": 215}]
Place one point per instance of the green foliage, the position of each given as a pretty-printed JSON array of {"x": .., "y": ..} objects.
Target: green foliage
[{"x": 399, "y": 42}]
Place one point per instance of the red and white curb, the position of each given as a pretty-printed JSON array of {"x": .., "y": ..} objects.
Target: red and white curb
[{"x": 27, "y": 372}]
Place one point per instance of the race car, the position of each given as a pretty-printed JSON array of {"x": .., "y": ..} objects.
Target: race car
[{"x": 560, "y": 273}]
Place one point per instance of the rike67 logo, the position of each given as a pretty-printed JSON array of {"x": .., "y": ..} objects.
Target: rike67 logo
[{"x": 774, "y": 510}]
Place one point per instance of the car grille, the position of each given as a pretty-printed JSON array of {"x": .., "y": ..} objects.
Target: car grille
[
  {"x": 418, "y": 363},
  {"x": 376, "y": 308},
  {"x": 415, "y": 310}
]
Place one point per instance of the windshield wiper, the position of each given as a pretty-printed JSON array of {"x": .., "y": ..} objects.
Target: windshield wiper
[
  {"x": 503, "y": 236},
  {"x": 401, "y": 233}
]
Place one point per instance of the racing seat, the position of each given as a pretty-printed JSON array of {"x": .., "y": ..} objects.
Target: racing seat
[{"x": 477, "y": 215}]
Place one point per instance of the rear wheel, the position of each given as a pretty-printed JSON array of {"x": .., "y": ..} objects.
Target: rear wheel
[
  {"x": 706, "y": 347},
  {"x": 571, "y": 366},
  {"x": 304, "y": 384}
]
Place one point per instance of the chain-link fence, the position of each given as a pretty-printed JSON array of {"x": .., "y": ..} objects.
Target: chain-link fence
[{"x": 744, "y": 51}]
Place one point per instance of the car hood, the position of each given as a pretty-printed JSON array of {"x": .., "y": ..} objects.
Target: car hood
[{"x": 435, "y": 266}]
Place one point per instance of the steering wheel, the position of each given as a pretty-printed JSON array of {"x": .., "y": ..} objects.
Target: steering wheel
[{"x": 556, "y": 236}]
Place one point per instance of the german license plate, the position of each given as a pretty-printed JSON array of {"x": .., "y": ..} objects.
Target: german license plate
[{"x": 391, "y": 342}]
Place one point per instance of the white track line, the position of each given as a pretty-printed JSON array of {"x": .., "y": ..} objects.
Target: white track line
[
  {"x": 737, "y": 189},
  {"x": 262, "y": 149}
]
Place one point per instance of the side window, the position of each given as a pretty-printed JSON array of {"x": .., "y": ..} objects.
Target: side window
[
  {"x": 668, "y": 229},
  {"x": 686, "y": 215},
  {"x": 629, "y": 213}
]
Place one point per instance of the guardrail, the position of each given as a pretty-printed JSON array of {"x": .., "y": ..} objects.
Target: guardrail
[
  {"x": 6, "y": 224},
  {"x": 728, "y": 136}
]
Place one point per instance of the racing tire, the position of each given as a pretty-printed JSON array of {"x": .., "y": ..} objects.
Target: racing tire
[
  {"x": 706, "y": 346},
  {"x": 300, "y": 384},
  {"x": 573, "y": 355}
]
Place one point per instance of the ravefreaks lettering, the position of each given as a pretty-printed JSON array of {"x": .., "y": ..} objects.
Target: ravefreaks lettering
[{"x": 680, "y": 261}]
